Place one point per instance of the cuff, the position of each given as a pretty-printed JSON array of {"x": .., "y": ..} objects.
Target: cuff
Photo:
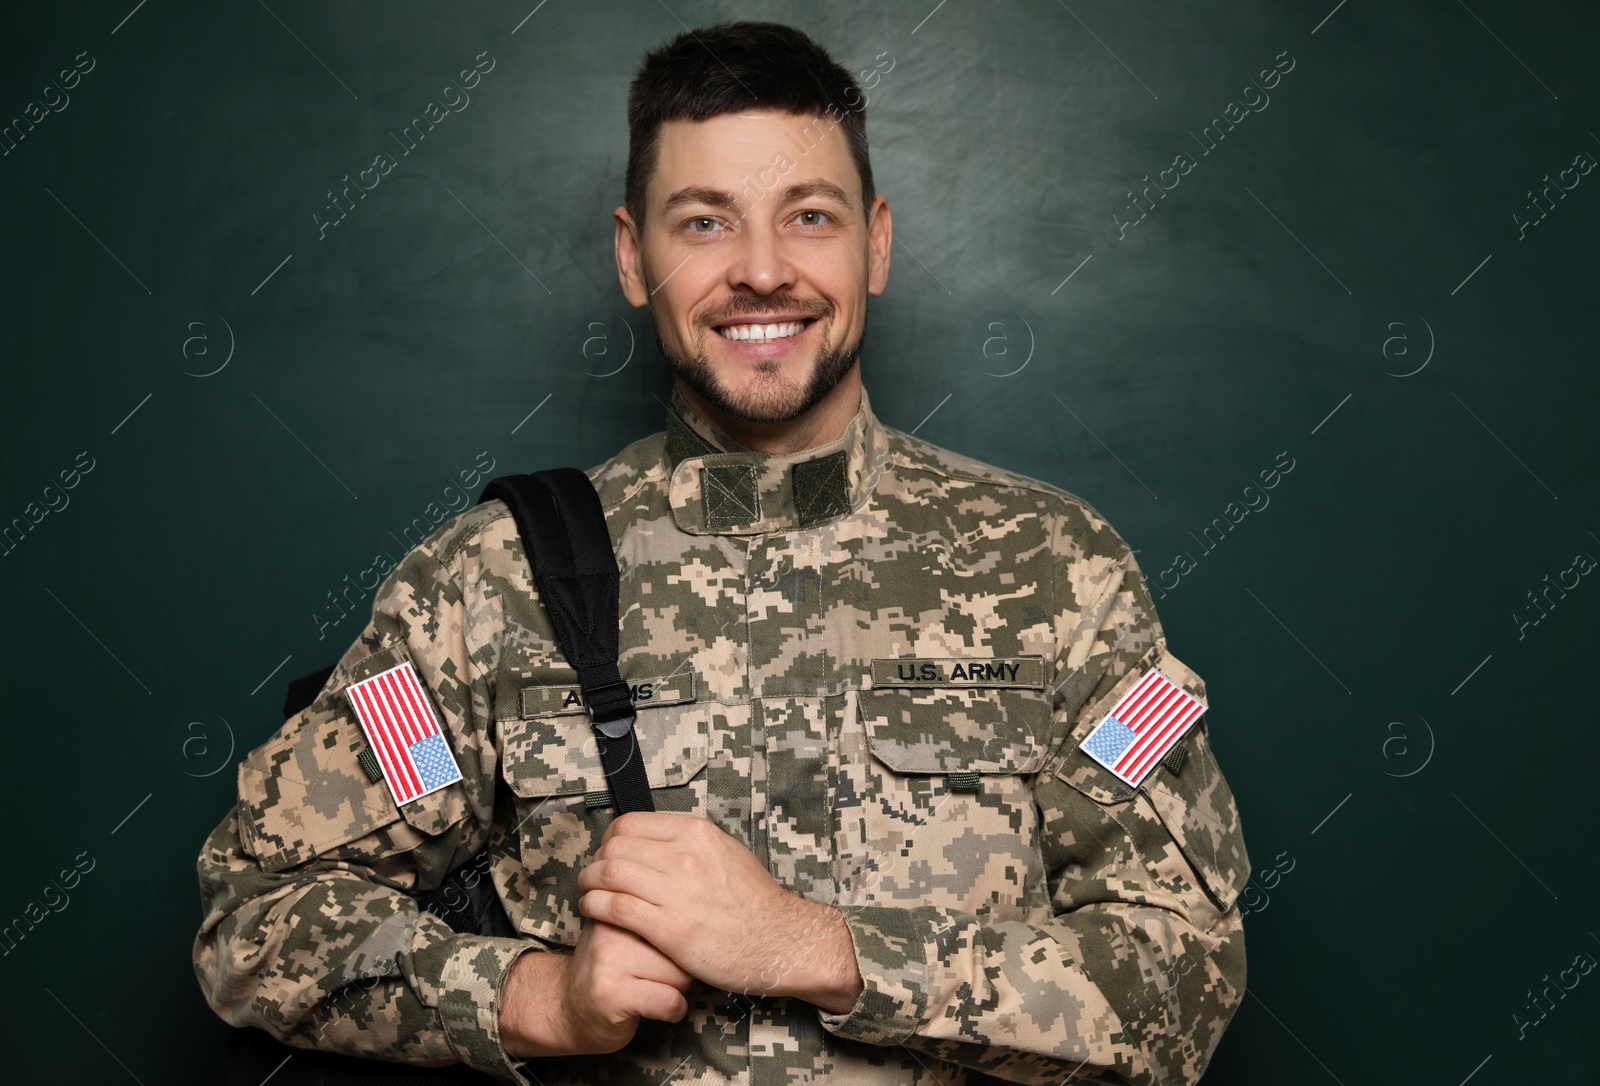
[
  {"x": 891, "y": 946},
  {"x": 466, "y": 975}
]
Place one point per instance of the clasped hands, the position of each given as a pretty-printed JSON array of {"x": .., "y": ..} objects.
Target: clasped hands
[{"x": 670, "y": 898}]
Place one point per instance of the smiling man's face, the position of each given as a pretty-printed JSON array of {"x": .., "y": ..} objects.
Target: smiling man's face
[{"x": 756, "y": 259}]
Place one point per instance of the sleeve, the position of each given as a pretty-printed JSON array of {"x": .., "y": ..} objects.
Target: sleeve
[
  {"x": 310, "y": 930},
  {"x": 1141, "y": 965}
]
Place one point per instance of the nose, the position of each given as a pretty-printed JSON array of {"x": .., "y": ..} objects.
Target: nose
[{"x": 759, "y": 260}]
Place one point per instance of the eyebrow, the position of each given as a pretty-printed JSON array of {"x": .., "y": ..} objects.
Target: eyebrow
[{"x": 800, "y": 190}]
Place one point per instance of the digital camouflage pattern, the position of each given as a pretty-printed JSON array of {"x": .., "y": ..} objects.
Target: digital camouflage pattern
[{"x": 871, "y": 663}]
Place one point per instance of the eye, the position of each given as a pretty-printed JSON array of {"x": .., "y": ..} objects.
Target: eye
[
  {"x": 695, "y": 223},
  {"x": 820, "y": 214}
]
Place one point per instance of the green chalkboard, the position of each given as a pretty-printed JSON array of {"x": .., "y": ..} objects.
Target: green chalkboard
[{"x": 1146, "y": 252}]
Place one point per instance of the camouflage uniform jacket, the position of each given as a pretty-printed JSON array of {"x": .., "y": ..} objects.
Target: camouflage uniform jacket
[{"x": 872, "y": 664}]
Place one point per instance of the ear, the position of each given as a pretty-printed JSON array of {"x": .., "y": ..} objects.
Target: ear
[
  {"x": 880, "y": 240},
  {"x": 630, "y": 260}
]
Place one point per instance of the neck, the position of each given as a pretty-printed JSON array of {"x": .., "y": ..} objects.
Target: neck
[{"x": 824, "y": 422}]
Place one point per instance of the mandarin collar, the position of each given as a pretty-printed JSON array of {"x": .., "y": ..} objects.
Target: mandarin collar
[{"x": 719, "y": 487}]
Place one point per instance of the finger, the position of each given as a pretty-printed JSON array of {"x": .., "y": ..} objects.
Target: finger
[
  {"x": 624, "y": 910},
  {"x": 625, "y": 876},
  {"x": 655, "y": 965},
  {"x": 661, "y": 1002},
  {"x": 651, "y": 825},
  {"x": 657, "y": 855},
  {"x": 648, "y": 961}
]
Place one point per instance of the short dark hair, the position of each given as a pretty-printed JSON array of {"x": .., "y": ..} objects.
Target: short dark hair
[{"x": 729, "y": 68}]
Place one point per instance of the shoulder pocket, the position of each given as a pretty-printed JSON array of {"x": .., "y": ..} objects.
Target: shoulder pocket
[
  {"x": 304, "y": 792},
  {"x": 1186, "y": 791}
]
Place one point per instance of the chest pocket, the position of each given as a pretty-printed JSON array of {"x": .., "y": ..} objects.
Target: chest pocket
[
  {"x": 550, "y": 762},
  {"x": 934, "y": 803}
]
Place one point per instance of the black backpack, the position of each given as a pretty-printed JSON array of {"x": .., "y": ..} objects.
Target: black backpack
[{"x": 564, "y": 534}]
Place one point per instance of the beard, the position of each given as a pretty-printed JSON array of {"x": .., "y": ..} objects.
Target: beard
[{"x": 772, "y": 398}]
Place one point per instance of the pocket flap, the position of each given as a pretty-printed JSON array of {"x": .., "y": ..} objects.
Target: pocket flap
[
  {"x": 303, "y": 791},
  {"x": 559, "y": 754},
  {"x": 957, "y": 729}
]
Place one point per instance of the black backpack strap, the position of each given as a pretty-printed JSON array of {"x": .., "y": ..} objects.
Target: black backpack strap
[
  {"x": 564, "y": 533},
  {"x": 304, "y": 690}
]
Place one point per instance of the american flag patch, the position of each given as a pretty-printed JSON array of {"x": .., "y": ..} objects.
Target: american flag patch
[
  {"x": 400, "y": 724},
  {"x": 1142, "y": 726}
]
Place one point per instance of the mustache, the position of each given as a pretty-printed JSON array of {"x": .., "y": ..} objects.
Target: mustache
[{"x": 767, "y": 305}]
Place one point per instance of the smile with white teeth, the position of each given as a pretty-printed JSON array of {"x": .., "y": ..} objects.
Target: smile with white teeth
[{"x": 762, "y": 333}]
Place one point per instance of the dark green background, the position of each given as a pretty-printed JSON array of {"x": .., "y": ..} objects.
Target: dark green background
[{"x": 377, "y": 363}]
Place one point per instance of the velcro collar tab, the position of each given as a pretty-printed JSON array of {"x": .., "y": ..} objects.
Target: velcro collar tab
[{"x": 743, "y": 492}]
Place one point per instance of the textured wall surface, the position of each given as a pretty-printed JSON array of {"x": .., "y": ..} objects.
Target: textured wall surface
[{"x": 1150, "y": 253}]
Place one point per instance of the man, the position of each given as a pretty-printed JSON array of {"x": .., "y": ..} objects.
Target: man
[{"x": 865, "y": 669}]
